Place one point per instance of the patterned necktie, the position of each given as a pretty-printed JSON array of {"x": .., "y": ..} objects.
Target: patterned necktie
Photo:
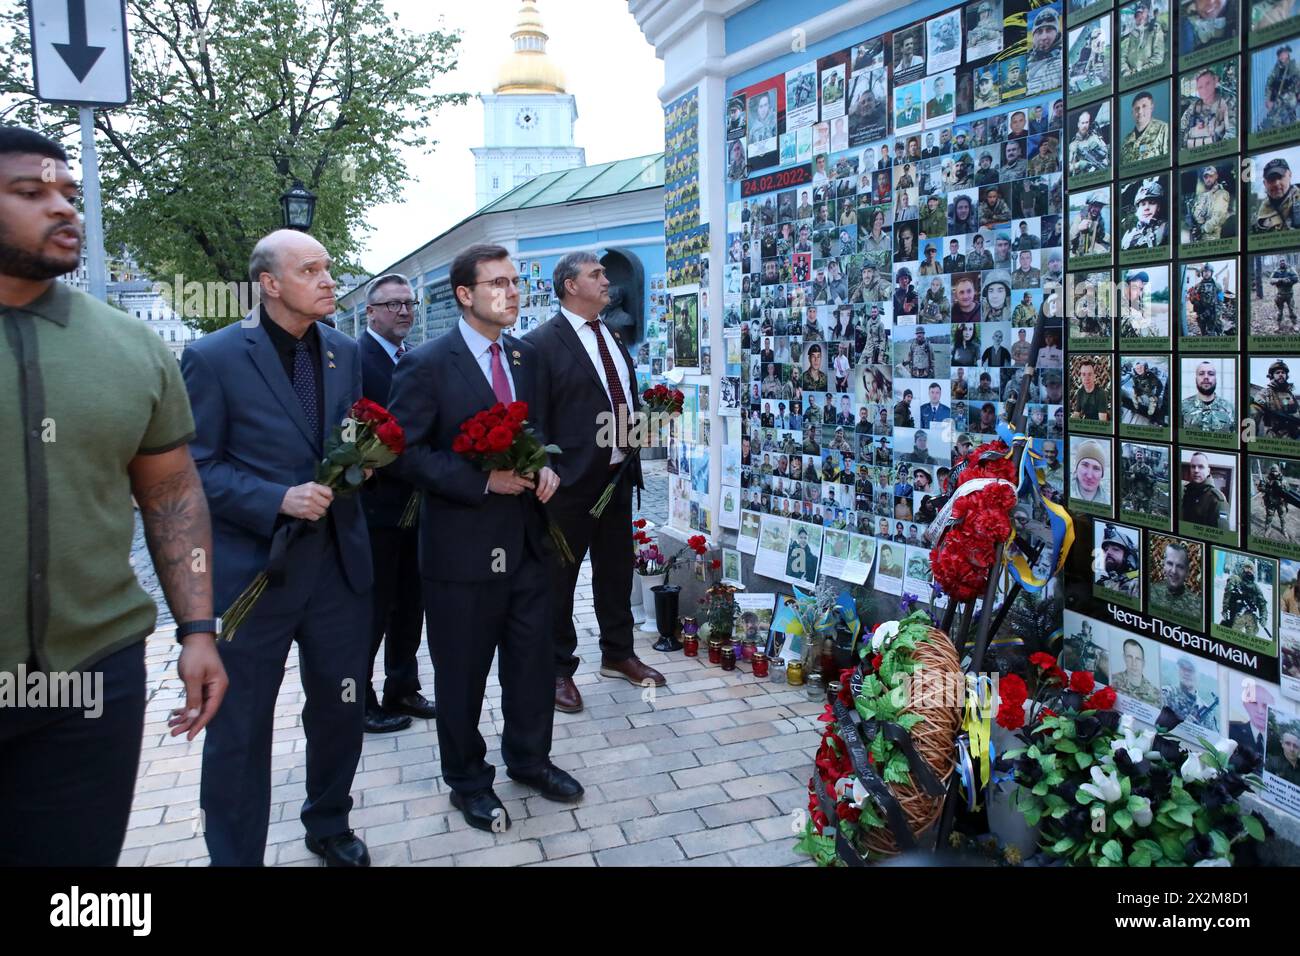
[
  {"x": 617, "y": 398},
  {"x": 500, "y": 384},
  {"x": 304, "y": 384},
  {"x": 401, "y": 350}
]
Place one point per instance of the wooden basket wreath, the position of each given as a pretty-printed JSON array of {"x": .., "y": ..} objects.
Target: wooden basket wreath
[{"x": 888, "y": 748}]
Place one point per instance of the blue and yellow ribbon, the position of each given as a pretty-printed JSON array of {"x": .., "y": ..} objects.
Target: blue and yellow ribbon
[{"x": 1059, "y": 520}]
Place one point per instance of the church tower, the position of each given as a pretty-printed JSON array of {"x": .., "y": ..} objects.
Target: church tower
[{"x": 527, "y": 118}]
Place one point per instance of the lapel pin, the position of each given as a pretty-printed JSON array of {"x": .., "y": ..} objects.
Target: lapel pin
[
  {"x": 516, "y": 355},
  {"x": 332, "y": 365},
  {"x": 329, "y": 355}
]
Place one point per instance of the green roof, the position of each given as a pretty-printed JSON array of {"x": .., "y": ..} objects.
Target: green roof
[{"x": 584, "y": 182}]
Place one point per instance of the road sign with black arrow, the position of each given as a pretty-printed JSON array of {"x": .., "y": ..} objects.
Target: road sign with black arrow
[{"x": 79, "y": 51}]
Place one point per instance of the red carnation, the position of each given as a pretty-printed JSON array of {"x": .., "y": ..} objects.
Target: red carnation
[
  {"x": 1045, "y": 661},
  {"x": 1082, "y": 682},
  {"x": 715, "y": 564},
  {"x": 1012, "y": 689},
  {"x": 640, "y": 523},
  {"x": 876, "y": 661},
  {"x": 1104, "y": 699},
  {"x": 391, "y": 434},
  {"x": 462, "y": 444}
]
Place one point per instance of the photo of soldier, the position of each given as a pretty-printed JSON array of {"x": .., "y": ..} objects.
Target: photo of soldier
[
  {"x": 1088, "y": 153},
  {"x": 1272, "y": 279},
  {"x": 1144, "y": 47},
  {"x": 1272, "y": 20},
  {"x": 1084, "y": 648},
  {"x": 1189, "y": 686},
  {"x": 1091, "y": 317},
  {"x": 1077, "y": 10},
  {"x": 1088, "y": 57},
  {"x": 940, "y": 106},
  {"x": 1274, "y": 487},
  {"x": 1144, "y": 129},
  {"x": 1272, "y": 405},
  {"x": 987, "y": 93},
  {"x": 908, "y": 114},
  {"x": 1144, "y": 308},
  {"x": 1207, "y": 412},
  {"x": 943, "y": 41},
  {"x": 1273, "y": 207},
  {"x": 1143, "y": 225},
  {"x": 736, "y": 117},
  {"x": 1144, "y": 396},
  {"x": 1044, "y": 154},
  {"x": 1043, "y": 63},
  {"x": 1207, "y": 208},
  {"x": 1090, "y": 228},
  {"x": 1117, "y": 564},
  {"x": 1145, "y": 485},
  {"x": 1208, "y": 306},
  {"x": 1207, "y": 111},
  {"x": 1282, "y": 753},
  {"x": 1013, "y": 78},
  {"x": 1244, "y": 602},
  {"x": 1177, "y": 592},
  {"x": 1207, "y": 30},
  {"x": 1090, "y": 408},
  {"x": 1135, "y": 674},
  {"x": 926, "y": 353},
  {"x": 1274, "y": 95},
  {"x": 983, "y": 29},
  {"x": 1208, "y": 495},
  {"x": 909, "y": 53}
]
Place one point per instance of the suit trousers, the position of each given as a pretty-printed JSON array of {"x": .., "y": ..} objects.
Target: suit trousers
[
  {"x": 315, "y": 608},
  {"x": 469, "y": 624},
  {"x": 67, "y": 778},
  {"x": 397, "y": 616},
  {"x": 609, "y": 540}
]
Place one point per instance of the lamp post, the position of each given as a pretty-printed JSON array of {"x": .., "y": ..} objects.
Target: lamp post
[{"x": 298, "y": 205}]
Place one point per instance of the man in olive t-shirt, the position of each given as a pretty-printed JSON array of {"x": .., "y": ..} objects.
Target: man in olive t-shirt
[
  {"x": 97, "y": 413},
  {"x": 1091, "y": 402}
]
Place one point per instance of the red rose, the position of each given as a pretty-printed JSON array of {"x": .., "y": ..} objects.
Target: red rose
[
  {"x": 462, "y": 444},
  {"x": 500, "y": 439},
  {"x": 476, "y": 430},
  {"x": 497, "y": 410},
  {"x": 364, "y": 410},
  {"x": 391, "y": 434},
  {"x": 715, "y": 564},
  {"x": 640, "y": 523},
  {"x": 1082, "y": 682},
  {"x": 1104, "y": 699},
  {"x": 481, "y": 446},
  {"x": 517, "y": 412}
]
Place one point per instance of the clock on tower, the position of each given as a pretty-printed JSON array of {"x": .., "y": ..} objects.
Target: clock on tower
[{"x": 526, "y": 119}]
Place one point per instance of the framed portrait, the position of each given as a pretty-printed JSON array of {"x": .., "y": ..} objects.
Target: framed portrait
[
  {"x": 1145, "y": 45},
  {"x": 1091, "y": 479},
  {"x": 1271, "y": 20},
  {"x": 1090, "y": 407},
  {"x": 1076, "y": 11},
  {"x": 1271, "y": 405},
  {"x": 1272, "y": 200},
  {"x": 1176, "y": 569},
  {"x": 1272, "y": 278},
  {"x": 1207, "y": 208},
  {"x": 1274, "y": 95},
  {"x": 1144, "y": 308},
  {"x": 1207, "y": 30},
  {"x": 1145, "y": 384},
  {"x": 1089, "y": 66},
  {"x": 1145, "y": 116},
  {"x": 1143, "y": 226},
  {"x": 1273, "y": 493},
  {"x": 1207, "y": 495},
  {"x": 1146, "y": 485},
  {"x": 1089, "y": 233},
  {"x": 1208, "y": 313},
  {"x": 983, "y": 29},
  {"x": 1244, "y": 600},
  {"x": 1207, "y": 410},
  {"x": 1092, "y": 318},
  {"x": 1089, "y": 156},
  {"x": 1134, "y": 673},
  {"x": 686, "y": 330},
  {"x": 909, "y": 54},
  {"x": 1208, "y": 111},
  {"x": 1117, "y": 564},
  {"x": 1046, "y": 50},
  {"x": 1189, "y": 686},
  {"x": 1013, "y": 78},
  {"x": 943, "y": 41}
]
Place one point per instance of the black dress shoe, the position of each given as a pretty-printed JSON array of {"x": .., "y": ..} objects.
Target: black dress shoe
[
  {"x": 341, "y": 849},
  {"x": 415, "y": 705},
  {"x": 381, "y": 722},
  {"x": 552, "y": 783},
  {"x": 482, "y": 810}
]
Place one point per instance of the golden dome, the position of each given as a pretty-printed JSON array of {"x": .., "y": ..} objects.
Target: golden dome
[{"x": 529, "y": 69}]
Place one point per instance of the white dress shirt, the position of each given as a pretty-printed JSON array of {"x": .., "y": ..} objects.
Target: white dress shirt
[
  {"x": 588, "y": 339},
  {"x": 480, "y": 347},
  {"x": 389, "y": 347}
]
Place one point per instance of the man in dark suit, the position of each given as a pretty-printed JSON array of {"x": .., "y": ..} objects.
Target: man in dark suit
[
  {"x": 483, "y": 542},
  {"x": 954, "y": 261},
  {"x": 265, "y": 392},
  {"x": 591, "y": 377},
  {"x": 398, "y": 607}
]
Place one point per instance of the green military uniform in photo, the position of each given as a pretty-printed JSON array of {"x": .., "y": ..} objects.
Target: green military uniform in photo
[
  {"x": 1087, "y": 153},
  {"x": 1202, "y": 125},
  {"x": 1282, "y": 89},
  {"x": 1273, "y": 216},
  {"x": 1244, "y": 606},
  {"x": 1092, "y": 405},
  {"x": 920, "y": 359},
  {"x": 1142, "y": 48},
  {"x": 1205, "y": 299},
  {"x": 1278, "y": 412},
  {"x": 1140, "y": 486},
  {"x": 1183, "y": 602},
  {"x": 1146, "y": 392},
  {"x": 1212, "y": 416},
  {"x": 1154, "y": 232},
  {"x": 1284, "y": 280},
  {"x": 1210, "y": 210},
  {"x": 1043, "y": 67},
  {"x": 1203, "y": 503},
  {"x": 1275, "y": 502},
  {"x": 986, "y": 31},
  {"x": 934, "y": 221},
  {"x": 90, "y": 389},
  {"x": 1127, "y": 579},
  {"x": 1141, "y": 689},
  {"x": 1151, "y": 143},
  {"x": 1189, "y": 705}
]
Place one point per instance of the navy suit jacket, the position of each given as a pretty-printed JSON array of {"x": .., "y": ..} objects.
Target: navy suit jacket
[
  {"x": 929, "y": 417},
  {"x": 465, "y": 532},
  {"x": 253, "y": 444},
  {"x": 384, "y": 496}
]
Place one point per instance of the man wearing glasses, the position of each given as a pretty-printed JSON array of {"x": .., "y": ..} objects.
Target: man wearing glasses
[{"x": 397, "y": 613}]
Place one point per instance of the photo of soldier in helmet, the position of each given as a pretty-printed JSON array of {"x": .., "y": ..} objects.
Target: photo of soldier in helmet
[
  {"x": 1208, "y": 313},
  {"x": 1274, "y": 95},
  {"x": 1245, "y": 599},
  {"x": 1273, "y": 210},
  {"x": 1145, "y": 485},
  {"x": 1117, "y": 564},
  {"x": 1207, "y": 208},
  {"x": 1272, "y": 279},
  {"x": 1190, "y": 688},
  {"x": 1272, "y": 405},
  {"x": 983, "y": 29},
  {"x": 1088, "y": 58},
  {"x": 1043, "y": 63},
  {"x": 1144, "y": 396},
  {"x": 1144, "y": 219},
  {"x": 1144, "y": 48},
  {"x": 1274, "y": 506}
]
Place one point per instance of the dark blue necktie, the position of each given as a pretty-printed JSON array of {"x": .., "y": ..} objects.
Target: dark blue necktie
[{"x": 304, "y": 384}]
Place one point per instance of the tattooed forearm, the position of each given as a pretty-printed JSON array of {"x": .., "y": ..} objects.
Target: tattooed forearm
[{"x": 179, "y": 534}]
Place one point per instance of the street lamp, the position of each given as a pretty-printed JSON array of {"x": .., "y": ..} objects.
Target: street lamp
[{"x": 298, "y": 205}]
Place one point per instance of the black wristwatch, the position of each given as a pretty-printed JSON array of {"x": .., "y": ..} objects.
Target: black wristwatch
[{"x": 210, "y": 626}]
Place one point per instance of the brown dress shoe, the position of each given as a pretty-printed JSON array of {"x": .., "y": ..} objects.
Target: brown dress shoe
[
  {"x": 567, "y": 698},
  {"x": 632, "y": 671}
]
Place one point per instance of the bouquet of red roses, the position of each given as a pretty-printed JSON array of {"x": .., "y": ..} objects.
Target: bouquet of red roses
[
  {"x": 369, "y": 438},
  {"x": 656, "y": 403},
  {"x": 497, "y": 439}
]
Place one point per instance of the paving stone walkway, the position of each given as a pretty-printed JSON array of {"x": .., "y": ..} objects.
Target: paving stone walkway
[{"x": 710, "y": 770}]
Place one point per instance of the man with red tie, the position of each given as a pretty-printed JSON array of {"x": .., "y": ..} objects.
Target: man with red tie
[{"x": 591, "y": 377}]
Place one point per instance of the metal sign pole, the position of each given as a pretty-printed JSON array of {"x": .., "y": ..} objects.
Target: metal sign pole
[{"x": 93, "y": 213}]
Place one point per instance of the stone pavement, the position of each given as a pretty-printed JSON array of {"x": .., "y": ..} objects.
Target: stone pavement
[{"x": 710, "y": 770}]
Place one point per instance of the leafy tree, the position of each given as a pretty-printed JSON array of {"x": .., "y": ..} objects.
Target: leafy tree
[{"x": 232, "y": 101}]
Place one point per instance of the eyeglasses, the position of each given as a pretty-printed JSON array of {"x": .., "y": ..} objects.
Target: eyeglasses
[
  {"x": 399, "y": 305},
  {"x": 500, "y": 283}
]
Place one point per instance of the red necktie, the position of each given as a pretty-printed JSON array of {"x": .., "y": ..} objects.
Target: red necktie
[
  {"x": 500, "y": 384},
  {"x": 401, "y": 350},
  {"x": 617, "y": 398}
]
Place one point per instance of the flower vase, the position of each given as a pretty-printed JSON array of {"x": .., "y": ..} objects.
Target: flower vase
[
  {"x": 646, "y": 584},
  {"x": 666, "y": 599}
]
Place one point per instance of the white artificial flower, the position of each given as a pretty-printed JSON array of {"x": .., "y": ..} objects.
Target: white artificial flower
[
  {"x": 860, "y": 793},
  {"x": 1142, "y": 816},
  {"x": 1104, "y": 786},
  {"x": 1136, "y": 745},
  {"x": 1218, "y": 861},
  {"x": 884, "y": 633},
  {"x": 1226, "y": 748},
  {"x": 1193, "y": 769}
]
